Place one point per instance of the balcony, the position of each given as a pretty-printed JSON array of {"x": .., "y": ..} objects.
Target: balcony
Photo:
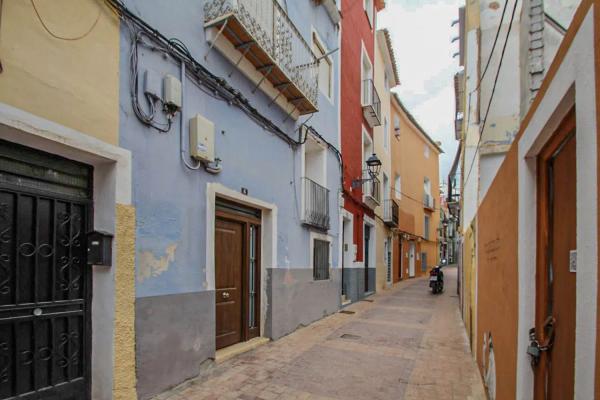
[
  {"x": 371, "y": 191},
  {"x": 428, "y": 202},
  {"x": 316, "y": 205},
  {"x": 371, "y": 103},
  {"x": 262, "y": 33},
  {"x": 391, "y": 213}
]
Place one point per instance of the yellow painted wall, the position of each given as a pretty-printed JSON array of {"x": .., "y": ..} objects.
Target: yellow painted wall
[
  {"x": 74, "y": 83},
  {"x": 469, "y": 296},
  {"x": 124, "y": 378},
  {"x": 410, "y": 162}
]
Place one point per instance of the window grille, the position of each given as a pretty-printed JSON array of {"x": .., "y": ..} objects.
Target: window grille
[{"x": 321, "y": 260}]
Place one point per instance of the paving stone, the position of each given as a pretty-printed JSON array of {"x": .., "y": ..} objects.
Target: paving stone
[{"x": 406, "y": 344}]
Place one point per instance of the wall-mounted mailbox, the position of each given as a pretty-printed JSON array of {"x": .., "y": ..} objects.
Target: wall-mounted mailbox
[{"x": 99, "y": 249}]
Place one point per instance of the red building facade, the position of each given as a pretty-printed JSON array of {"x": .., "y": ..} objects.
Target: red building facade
[{"x": 357, "y": 41}]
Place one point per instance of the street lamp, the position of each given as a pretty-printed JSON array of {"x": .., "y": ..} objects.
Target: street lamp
[{"x": 374, "y": 166}]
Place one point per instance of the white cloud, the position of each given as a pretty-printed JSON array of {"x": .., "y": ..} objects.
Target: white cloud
[{"x": 421, "y": 32}]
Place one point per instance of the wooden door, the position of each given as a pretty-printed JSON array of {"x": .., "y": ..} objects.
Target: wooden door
[
  {"x": 556, "y": 277},
  {"x": 45, "y": 282},
  {"x": 237, "y": 273},
  {"x": 398, "y": 274},
  {"x": 229, "y": 262},
  {"x": 367, "y": 256}
]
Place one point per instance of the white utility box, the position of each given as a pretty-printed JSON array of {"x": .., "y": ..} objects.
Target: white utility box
[
  {"x": 202, "y": 139},
  {"x": 172, "y": 91}
]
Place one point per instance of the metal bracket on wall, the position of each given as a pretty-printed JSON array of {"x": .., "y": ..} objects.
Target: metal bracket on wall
[
  {"x": 268, "y": 68},
  {"x": 219, "y": 33},
  {"x": 246, "y": 46}
]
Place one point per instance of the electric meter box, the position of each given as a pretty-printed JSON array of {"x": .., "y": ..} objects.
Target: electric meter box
[
  {"x": 202, "y": 139},
  {"x": 172, "y": 91}
]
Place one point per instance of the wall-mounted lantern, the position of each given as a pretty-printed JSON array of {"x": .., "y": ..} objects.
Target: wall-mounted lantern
[
  {"x": 99, "y": 248},
  {"x": 374, "y": 166}
]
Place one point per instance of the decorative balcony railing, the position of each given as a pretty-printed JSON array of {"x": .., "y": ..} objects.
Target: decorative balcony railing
[
  {"x": 263, "y": 32},
  {"x": 371, "y": 103},
  {"x": 316, "y": 204},
  {"x": 391, "y": 212},
  {"x": 428, "y": 201},
  {"x": 371, "y": 190}
]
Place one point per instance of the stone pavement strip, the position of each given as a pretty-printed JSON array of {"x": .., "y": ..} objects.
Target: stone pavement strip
[{"x": 405, "y": 344}]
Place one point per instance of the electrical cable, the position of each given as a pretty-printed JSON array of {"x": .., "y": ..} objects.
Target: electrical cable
[
  {"x": 218, "y": 86},
  {"x": 209, "y": 83},
  {"x": 54, "y": 35},
  {"x": 481, "y": 131},
  {"x": 493, "y": 46}
]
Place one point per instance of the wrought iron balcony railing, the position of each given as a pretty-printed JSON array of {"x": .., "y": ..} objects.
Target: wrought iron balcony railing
[
  {"x": 263, "y": 32},
  {"x": 391, "y": 212},
  {"x": 371, "y": 103},
  {"x": 428, "y": 201},
  {"x": 371, "y": 190},
  {"x": 316, "y": 204}
]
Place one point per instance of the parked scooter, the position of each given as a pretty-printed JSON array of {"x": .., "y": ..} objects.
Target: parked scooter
[{"x": 436, "y": 280}]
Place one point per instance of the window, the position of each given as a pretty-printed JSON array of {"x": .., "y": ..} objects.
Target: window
[
  {"x": 315, "y": 195},
  {"x": 386, "y": 81},
  {"x": 366, "y": 73},
  {"x": 426, "y": 227},
  {"x": 325, "y": 67},
  {"x": 388, "y": 258},
  {"x": 398, "y": 186},
  {"x": 397, "y": 126},
  {"x": 368, "y": 4},
  {"x": 315, "y": 160},
  {"x": 320, "y": 260},
  {"x": 426, "y": 151},
  {"x": 386, "y": 135}
]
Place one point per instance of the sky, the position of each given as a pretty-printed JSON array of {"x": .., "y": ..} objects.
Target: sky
[{"x": 422, "y": 33}]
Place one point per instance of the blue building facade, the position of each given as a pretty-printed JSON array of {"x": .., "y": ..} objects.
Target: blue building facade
[{"x": 276, "y": 165}]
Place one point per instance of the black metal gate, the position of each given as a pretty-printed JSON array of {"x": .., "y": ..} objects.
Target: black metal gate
[{"x": 45, "y": 284}]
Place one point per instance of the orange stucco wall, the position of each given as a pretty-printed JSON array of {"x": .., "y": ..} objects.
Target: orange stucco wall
[
  {"x": 409, "y": 160},
  {"x": 497, "y": 277}
]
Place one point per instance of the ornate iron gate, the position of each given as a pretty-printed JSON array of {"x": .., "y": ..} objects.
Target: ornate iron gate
[{"x": 45, "y": 284}]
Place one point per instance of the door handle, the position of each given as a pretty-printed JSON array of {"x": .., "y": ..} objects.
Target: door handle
[{"x": 225, "y": 295}]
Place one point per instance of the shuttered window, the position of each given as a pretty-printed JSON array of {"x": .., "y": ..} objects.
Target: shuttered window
[{"x": 320, "y": 260}]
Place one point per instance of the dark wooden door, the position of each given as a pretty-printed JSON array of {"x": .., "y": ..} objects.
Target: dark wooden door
[
  {"x": 367, "y": 239},
  {"x": 229, "y": 262},
  {"x": 398, "y": 274},
  {"x": 556, "y": 293},
  {"x": 45, "y": 282},
  {"x": 238, "y": 275}
]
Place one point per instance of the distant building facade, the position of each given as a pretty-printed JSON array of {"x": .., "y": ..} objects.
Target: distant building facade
[{"x": 415, "y": 171}]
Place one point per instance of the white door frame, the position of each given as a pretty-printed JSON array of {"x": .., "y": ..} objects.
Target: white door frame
[{"x": 573, "y": 84}]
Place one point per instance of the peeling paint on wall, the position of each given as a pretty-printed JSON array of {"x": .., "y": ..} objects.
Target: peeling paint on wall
[{"x": 151, "y": 265}]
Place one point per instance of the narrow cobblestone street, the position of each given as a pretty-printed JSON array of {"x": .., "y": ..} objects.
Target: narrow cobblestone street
[{"x": 401, "y": 344}]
